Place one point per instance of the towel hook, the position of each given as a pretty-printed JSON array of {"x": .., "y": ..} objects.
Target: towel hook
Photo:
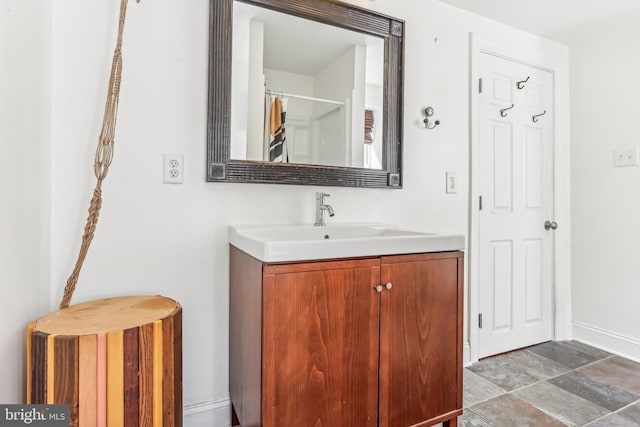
[
  {"x": 535, "y": 118},
  {"x": 520, "y": 84},
  {"x": 503, "y": 112},
  {"x": 427, "y": 123}
]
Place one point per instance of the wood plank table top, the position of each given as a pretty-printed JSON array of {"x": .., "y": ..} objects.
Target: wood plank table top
[{"x": 106, "y": 315}]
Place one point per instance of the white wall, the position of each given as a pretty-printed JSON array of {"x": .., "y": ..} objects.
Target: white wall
[
  {"x": 357, "y": 106},
  {"x": 299, "y": 84},
  {"x": 336, "y": 81},
  {"x": 241, "y": 66},
  {"x": 332, "y": 127},
  {"x": 605, "y": 200},
  {"x": 24, "y": 188},
  {"x": 255, "y": 113},
  {"x": 172, "y": 239}
]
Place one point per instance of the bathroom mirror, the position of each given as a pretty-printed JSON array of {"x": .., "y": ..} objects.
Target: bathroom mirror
[{"x": 304, "y": 92}]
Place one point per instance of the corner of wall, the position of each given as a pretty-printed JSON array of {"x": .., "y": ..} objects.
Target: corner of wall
[{"x": 25, "y": 112}]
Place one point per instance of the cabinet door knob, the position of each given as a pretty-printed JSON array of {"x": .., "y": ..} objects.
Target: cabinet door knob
[
  {"x": 379, "y": 288},
  {"x": 389, "y": 285}
]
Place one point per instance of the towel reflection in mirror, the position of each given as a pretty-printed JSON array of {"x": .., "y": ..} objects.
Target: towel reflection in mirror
[{"x": 275, "y": 145}]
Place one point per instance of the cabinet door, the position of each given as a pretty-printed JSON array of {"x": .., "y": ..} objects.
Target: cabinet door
[
  {"x": 320, "y": 340},
  {"x": 420, "y": 339}
]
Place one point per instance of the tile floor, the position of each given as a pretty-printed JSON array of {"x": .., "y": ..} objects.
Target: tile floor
[{"x": 564, "y": 383}]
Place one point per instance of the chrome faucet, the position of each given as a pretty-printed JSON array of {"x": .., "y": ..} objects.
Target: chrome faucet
[{"x": 320, "y": 208}]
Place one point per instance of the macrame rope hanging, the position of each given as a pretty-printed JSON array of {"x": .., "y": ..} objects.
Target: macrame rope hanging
[{"x": 104, "y": 156}]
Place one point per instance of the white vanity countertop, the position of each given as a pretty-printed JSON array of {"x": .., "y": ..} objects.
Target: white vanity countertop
[{"x": 281, "y": 243}]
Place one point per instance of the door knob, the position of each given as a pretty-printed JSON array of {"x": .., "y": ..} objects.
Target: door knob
[
  {"x": 379, "y": 288},
  {"x": 389, "y": 285},
  {"x": 550, "y": 225}
]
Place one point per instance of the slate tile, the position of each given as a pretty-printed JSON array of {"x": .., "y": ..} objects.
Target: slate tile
[
  {"x": 510, "y": 411},
  {"x": 617, "y": 371},
  {"x": 561, "y": 404},
  {"x": 631, "y": 413},
  {"x": 577, "y": 384},
  {"x": 536, "y": 365},
  {"x": 613, "y": 420},
  {"x": 562, "y": 353},
  {"x": 627, "y": 364},
  {"x": 477, "y": 389},
  {"x": 587, "y": 349},
  {"x": 598, "y": 392},
  {"x": 499, "y": 371},
  {"x": 470, "y": 418}
]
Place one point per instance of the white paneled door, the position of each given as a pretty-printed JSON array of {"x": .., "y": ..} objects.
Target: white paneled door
[{"x": 516, "y": 189}]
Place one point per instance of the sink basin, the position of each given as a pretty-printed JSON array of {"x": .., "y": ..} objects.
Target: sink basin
[{"x": 280, "y": 243}]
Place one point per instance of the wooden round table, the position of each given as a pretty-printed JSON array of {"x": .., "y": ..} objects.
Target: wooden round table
[{"x": 114, "y": 361}]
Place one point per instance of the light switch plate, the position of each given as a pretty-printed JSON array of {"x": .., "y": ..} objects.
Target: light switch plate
[{"x": 452, "y": 182}]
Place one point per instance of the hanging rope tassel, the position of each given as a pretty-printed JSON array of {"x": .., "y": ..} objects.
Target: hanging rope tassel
[{"x": 104, "y": 156}]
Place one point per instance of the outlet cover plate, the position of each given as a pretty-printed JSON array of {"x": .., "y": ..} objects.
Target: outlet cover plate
[
  {"x": 173, "y": 168},
  {"x": 627, "y": 156}
]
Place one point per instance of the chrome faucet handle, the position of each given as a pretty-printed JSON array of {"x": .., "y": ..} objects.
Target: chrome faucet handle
[{"x": 321, "y": 207}]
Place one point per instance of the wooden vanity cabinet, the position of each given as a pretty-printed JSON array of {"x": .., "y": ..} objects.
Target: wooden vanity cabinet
[
  {"x": 421, "y": 339},
  {"x": 320, "y": 344}
]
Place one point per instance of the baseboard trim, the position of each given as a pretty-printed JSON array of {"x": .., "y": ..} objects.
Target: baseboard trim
[
  {"x": 212, "y": 413},
  {"x": 612, "y": 342}
]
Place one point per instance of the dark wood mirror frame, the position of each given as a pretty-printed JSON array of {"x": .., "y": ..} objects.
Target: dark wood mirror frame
[{"x": 221, "y": 168}]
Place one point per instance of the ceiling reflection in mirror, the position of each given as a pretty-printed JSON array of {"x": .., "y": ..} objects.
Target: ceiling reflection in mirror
[{"x": 304, "y": 92}]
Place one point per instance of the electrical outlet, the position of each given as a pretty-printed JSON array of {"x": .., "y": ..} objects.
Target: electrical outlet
[
  {"x": 173, "y": 168},
  {"x": 625, "y": 157}
]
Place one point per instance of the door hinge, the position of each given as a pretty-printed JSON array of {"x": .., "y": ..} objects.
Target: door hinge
[
  {"x": 480, "y": 203},
  {"x": 480, "y": 85},
  {"x": 480, "y": 320}
]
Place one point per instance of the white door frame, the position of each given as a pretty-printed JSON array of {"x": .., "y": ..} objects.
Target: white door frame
[{"x": 548, "y": 56}]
